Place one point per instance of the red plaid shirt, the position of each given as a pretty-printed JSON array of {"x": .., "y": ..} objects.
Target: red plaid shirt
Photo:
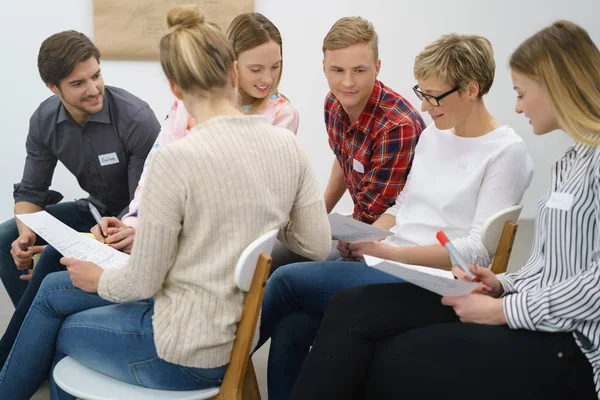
[{"x": 382, "y": 140}]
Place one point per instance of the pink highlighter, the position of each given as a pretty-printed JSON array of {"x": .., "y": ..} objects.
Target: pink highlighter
[{"x": 454, "y": 256}]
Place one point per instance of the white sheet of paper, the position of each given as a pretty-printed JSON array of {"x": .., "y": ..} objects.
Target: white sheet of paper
[
  {"x": 71, "y": 243},
  {"x": 353, "y": 231},
  {"x": 434, "y": 280}
]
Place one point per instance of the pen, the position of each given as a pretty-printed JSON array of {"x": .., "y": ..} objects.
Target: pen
[
  {"x": 97, "y": 217},
  {"x": 24, "y": 247},
  {"x": 456, "y": 258}
]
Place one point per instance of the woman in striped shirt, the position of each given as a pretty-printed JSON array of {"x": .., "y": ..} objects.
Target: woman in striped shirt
[{"x": 531, "y": 334}]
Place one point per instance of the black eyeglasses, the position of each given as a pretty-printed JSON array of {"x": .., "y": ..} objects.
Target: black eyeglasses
[{"x": 433, "y": 100}]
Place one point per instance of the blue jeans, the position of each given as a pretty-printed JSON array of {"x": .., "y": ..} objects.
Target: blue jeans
[
  {"x": 296, "y": 297},
  {"x": 114, "y": 339},
  {"x": 49, "y": 262},
  {"x": 67, "y": 212}
]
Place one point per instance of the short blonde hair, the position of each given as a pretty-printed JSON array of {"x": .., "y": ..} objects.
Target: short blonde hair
[
  {"x": 563, "y": 58},
  {"x": 194, "y": 54},
  {"x": 349, "y": 31},
  {"x": 458, "y": 60}
]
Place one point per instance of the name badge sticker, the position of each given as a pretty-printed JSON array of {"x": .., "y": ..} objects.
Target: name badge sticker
[
  {"x": 560, "y": 201},
  {"x": 108, "y": 159},
  {"x": 358, "y": 167}
]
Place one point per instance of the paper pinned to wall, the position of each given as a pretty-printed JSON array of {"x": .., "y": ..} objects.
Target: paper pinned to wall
[
  {"x": 71, "y": 243},
  {"x": 131, "y": 30}
]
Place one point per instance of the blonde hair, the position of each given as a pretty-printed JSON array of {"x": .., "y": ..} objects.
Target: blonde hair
[
  {"x": 349, "y": 31},
  {"x": 565, "y": 60},
  {"x": 458, "y": 60},
  {"x": 251, "y": 30},
  {"x": 194, "y": 54}
]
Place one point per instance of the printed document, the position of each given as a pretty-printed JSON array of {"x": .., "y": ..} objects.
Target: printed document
[{"x": 71, "y": 243}]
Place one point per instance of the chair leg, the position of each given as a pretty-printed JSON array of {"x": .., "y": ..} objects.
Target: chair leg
[{"x": 250, "y": 390}]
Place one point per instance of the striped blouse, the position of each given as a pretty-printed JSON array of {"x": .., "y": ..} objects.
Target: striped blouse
[
  {"x": 178, "y": 123},
  {"x": 558, "y": 290}
]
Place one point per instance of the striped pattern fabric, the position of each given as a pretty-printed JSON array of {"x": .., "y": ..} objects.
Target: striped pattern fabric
[
  {"x": 558, "y": 290},
  {"x": 382, "y": 140}
]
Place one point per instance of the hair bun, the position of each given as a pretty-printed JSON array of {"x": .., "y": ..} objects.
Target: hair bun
[{"x": 185, "y": 16}]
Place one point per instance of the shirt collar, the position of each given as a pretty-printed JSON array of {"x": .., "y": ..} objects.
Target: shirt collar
[
  {"x": 581, "y": 149},
  {"x": 368, "y": 112},
  {"x": 103, "y": 116}
]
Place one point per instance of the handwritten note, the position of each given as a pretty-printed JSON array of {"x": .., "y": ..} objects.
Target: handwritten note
[
  {"x": 71, "y": 243},
  {"x": 432, "y": 279},
  {"x": 353, "y": 231}
]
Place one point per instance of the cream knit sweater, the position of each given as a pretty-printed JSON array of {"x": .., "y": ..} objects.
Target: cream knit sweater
[{"x": 207, "y": 197}]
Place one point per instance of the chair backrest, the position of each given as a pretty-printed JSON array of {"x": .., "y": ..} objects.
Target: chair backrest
[
  {"x": 493, "y": 227},
  {"x": 244, "y": 269},
  {"x": 498, "y": 236},
  {"x": 251, "y": 273}
]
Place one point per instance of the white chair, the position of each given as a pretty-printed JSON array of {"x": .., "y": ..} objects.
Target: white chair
[
  {"x": 498, "y": 235},
  {"x": 251, "y": 274}
]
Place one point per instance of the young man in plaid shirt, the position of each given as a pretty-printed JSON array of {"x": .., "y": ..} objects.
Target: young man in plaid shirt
[{"x": 372, "y": 130}]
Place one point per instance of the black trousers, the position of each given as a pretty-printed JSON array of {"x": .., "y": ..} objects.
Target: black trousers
[{"x": 397, "y": 341}]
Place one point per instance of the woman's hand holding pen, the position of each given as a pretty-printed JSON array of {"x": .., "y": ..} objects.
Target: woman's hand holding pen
[
  {"x": 490, "y": 284},
  {"x": 482, "y": 306},
  {"x": 115, "y": 233}
]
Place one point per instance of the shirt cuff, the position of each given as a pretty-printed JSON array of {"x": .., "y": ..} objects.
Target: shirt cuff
[
  {"x": 103, "y": 286},
  {"x": 516, "y": 311},
  {"x": 130, "y": 221},
  {"x": 507, "y": 284}
]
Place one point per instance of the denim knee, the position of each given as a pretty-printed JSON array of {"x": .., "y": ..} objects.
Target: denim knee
[{"x": 8, "y": 234}]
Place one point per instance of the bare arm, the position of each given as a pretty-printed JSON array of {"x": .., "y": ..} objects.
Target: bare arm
[
  {"x": 386, "y": 221},
  {"x": 434, "y": 256},
  {"x": 335, "y": 187},
  {"x": 25, "y": 207}
]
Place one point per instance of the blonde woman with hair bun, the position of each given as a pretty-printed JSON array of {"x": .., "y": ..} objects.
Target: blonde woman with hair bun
[{"x": 167, "y": 320}]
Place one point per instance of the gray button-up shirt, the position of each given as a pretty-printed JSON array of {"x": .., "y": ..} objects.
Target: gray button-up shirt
[{"x": 106, "y": 154}]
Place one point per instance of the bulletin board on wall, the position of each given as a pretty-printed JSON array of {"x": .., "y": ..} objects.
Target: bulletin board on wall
[{"x": 131, "y": 29}]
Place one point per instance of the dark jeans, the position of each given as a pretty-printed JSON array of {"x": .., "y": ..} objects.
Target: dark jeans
[
  {"x": 295, "y": 299},
  {"x": 67, "y": 212},
  {"x": 398, "y": 341},
  {"x": 49, "y": 262}
]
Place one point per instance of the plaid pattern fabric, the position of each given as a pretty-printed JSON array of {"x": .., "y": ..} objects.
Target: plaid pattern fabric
[{"x": 382, "y": 140}]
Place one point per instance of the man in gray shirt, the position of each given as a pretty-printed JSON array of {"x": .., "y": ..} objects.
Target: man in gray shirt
[{"x": 102, "y": 135}]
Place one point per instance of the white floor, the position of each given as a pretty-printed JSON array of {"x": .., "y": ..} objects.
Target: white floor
[{"x": 518, "y": 258}]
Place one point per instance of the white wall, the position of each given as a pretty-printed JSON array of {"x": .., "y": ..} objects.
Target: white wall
[{"x": 404, "y": 28}]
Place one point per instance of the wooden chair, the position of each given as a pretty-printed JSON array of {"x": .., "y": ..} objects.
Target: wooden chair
[
  {"x": 239, "y": 382},
  {"x": 498, "y": 235}
]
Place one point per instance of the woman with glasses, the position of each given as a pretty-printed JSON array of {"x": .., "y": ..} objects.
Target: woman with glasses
[{"x": 467, "y": 167}]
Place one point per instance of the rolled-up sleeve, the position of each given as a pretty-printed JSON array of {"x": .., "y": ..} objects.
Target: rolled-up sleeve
[{"x": 38, "y": 171}]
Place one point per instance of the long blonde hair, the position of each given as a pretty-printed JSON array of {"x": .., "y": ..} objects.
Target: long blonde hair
[
  {"x": 251, "y": 30},
  {"x": 565, "y": 60},
  {"x": 194, "y": 54}
]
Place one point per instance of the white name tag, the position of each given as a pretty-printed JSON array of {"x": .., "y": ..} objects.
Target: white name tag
[
  {"x": 108, "y": 159},
  {"x": 358, "y": 167},
  {"x": 560, "y": 201}
]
